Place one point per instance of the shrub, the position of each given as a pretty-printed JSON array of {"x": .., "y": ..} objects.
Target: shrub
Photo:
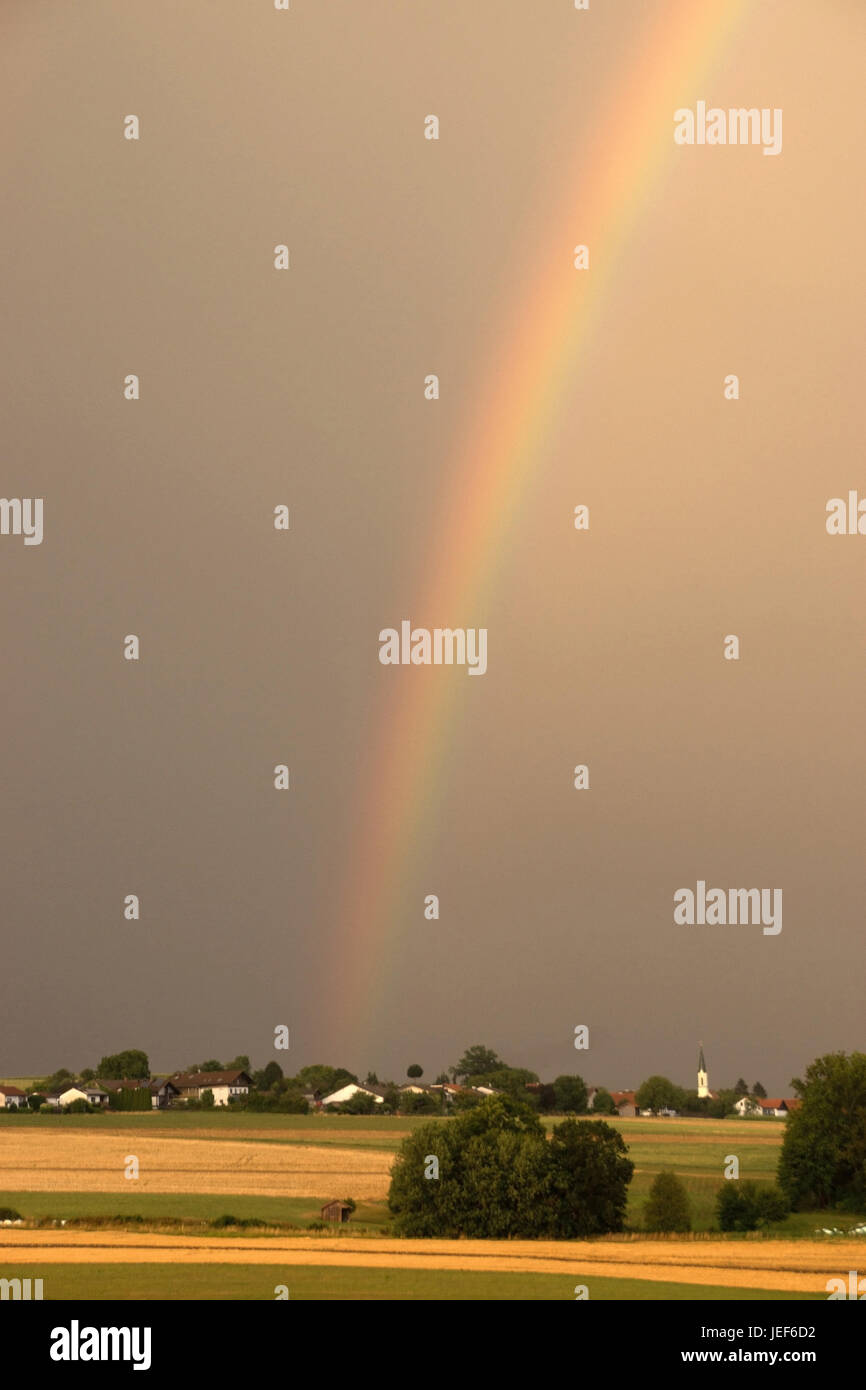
[
  {"x": 10, "y": 1214},
  {"x": 746, "y": 1206},
  {"x": 667, "y": 1207}
]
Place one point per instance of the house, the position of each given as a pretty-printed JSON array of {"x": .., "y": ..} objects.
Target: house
[
  {"x": 162, "y": 1093},
  {"x": 352, "y": 1089},
  {"x": 625, "y": 1104},
  {"x": 224, "y": 1085},
  {"x": 336, "y": 1211},
  {"x": 774, "y": 1109},
  {"x": 77, "y": 1090},
  {"x": 11, "y": 1098},
  {"x": 747, "y": 1105}
]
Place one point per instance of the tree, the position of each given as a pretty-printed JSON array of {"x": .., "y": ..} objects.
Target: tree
[
  {"x": 271, "y": 1076},
  {"x": 324, "y": 1079},
  {"x": 88, "y": 1074},
  {"x": 414, "y": 1070},
  {"x": 239, "y": 1063},
  {"x": 211, "y": 1065},
  {"x": 498, "y": 1176},
  {"x": 131, "y": 1065},
  {"x": 478, "y": 1061},
  {"x": 207, "y": 1100},
  {"x": 590, "y": 1171},
  {"x": 510, "y": 1079},
  {"x": 667, "y": 1207},
  {"x": 741, "y": 1088},
  {"x": 422, "y": 1103},
  {"x": 54, "y": 1082},
  {"x": 603, "y": 1102},
  {"x": 442, "y": 1079},
  {"x": 35, "y": 1100},
  {"x": 571, "y": 1094},
  {"x": 658, "y": 1093},
  {"x": 545, "y": 1099},
  {"x": 371, "y": 1079},
  {"x": 823, "y": 1159},
  {"x": 758, "y": 1090}
]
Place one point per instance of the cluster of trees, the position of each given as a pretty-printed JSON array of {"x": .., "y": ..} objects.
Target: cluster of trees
[
  {"x": 660, "y": 1093},
  {"x": 823, "y": 1159},
  {"x": 492, "y": 1173}
]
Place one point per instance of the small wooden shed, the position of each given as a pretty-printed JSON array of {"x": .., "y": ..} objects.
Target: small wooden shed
[{"x": 336, "y": 1211}]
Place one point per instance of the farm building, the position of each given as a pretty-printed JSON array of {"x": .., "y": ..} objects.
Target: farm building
[{"x": 336, "y": 1211}]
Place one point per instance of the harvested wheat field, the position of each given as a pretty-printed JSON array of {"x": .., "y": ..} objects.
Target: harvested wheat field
[
  {"x": 793, "y": 1266},
  {"x": 78, "y": 1161}
]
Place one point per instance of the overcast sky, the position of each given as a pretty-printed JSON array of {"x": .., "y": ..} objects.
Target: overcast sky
[{"x": 305, "y": 387}]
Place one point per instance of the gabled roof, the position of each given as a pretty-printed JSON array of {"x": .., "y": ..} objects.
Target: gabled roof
[
  {"x": 770, "y": 1104},
  {"x": 210, "y": 1078},
  {"x": 85, "y": 1087},
  {"x": 10, "y": 1091},
  {"x": 356, "y": 1086}
]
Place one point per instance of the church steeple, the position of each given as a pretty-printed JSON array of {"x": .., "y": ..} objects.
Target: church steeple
[{"x": 703, "y": 1079}]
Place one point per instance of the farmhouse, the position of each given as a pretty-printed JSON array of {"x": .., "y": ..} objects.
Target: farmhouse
[
  {"x": 775, "y": 1109},
  {"x": 11, "y": 1098},
  {"x": 771, "y": 1109},
  {"x": 225, "y": 1085}
]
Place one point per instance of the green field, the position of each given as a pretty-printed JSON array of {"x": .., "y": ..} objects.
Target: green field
[
  {"x": 193, "y": 1207},
  {"x": 312, "y": 1283}
]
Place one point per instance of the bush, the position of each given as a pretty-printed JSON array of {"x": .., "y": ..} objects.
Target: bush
[
  {"x": 10, "y": 1214},
  {"x": 79, "y": 1107},
  {"x": 130, "y": 1098},
  {"x": 746, "y": 1206},
  {"x": 36, "y": 1101},
  {"x": 667, "y": 1207}
]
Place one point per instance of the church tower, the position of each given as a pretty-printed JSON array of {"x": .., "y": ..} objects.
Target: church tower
[{"x": 703, "y": 1082}]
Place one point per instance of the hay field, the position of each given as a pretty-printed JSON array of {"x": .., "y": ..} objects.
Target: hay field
[
  {"x": 81, "y": 1161},
  {"x": 789, "y": 1266}
]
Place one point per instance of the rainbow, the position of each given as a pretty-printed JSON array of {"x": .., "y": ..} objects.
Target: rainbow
[{"x": 545, "y": 335}]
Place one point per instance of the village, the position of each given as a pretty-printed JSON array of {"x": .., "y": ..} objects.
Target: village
[{"x": 242, "y": 1088}]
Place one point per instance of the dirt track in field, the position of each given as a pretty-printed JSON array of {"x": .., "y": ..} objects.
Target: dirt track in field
[
  {"x": 79, "y": 1161},
  {"x": 789, "y": 1266}
]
